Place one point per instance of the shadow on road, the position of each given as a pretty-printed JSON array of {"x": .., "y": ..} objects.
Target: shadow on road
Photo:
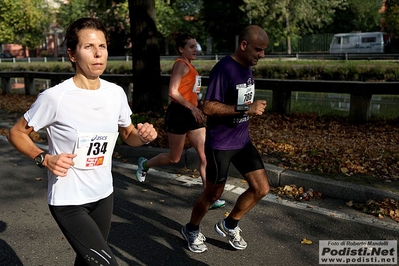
[{"x": 7, "y": 254}]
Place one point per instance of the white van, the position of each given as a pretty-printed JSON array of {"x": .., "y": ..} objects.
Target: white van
[{"x": 363, "y": 42}]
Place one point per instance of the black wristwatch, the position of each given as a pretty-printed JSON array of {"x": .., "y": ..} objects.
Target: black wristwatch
[
  {"x": 242, "y": 108},
  {"x": 40, "y": 159}
]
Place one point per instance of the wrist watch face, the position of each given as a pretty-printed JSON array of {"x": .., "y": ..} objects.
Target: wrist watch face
[{"x": 39, "y": 159}]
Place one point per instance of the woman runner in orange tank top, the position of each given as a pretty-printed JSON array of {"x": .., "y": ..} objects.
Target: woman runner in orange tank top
[{"x": 183, "y": 117}]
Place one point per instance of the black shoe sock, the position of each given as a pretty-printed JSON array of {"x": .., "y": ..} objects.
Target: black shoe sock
[
  {"x": 230, "y": 223},
  {"x": 191, "y": 227}
]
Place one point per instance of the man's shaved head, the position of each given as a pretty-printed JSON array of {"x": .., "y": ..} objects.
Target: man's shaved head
[
  {"x": 253, "y": 40},
  {"x": 253, "y": 32}
]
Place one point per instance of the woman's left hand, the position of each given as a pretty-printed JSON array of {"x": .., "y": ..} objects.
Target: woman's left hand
[{"x": 198, "y": 115}]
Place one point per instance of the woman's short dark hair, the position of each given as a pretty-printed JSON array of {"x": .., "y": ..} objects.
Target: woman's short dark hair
[
  {"x": 71, "y": 36},
  {"x": 181, "y": 40}
]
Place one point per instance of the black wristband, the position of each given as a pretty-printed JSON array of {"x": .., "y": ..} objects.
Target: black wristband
[
  {"x": 241, "y": 108},
  {"x": 40, "y": 159}
]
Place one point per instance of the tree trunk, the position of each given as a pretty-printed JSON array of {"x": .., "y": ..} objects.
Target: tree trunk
[
  {"x": 287, "y": 27},
  {"x": 147, "y": 89}
]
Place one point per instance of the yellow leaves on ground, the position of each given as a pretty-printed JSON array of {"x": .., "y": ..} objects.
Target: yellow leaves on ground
[
  {"x": 18, "y": 103},
  {"x": 297, "y": 193},
  {"x": 380, "y": 209},
  {"x": 306, "y": 241},
  {"x": 35, "y": 137},
  {"x": 117, "y": 155},
  {"x": 4, "y": 131}
]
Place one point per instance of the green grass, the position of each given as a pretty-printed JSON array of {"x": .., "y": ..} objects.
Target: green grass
[{"x": 383, "y": 106}]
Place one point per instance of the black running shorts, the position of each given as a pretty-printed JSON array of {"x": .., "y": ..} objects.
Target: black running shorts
[
  {"x": 179, "y": 119},
  {"x": 245, "y": 160}
]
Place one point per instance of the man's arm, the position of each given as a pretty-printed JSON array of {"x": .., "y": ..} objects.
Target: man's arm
[{"x": 215, "y": 108}]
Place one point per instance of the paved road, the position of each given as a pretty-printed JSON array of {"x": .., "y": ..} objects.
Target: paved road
[{"x": 148, "y": 217}]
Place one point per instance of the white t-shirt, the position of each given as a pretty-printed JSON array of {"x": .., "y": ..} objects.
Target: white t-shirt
[{"x": 68, "y": 113}]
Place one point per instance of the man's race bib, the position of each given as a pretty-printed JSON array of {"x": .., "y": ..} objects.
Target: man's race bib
[
  {"x": 197, "y": 84},
  {"x": 94, "y": 149},
  {"x": 246, "y": 94}
]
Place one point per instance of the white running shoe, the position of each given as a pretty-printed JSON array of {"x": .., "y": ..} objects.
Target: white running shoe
[
  {"x": 195, "y": 240},
  {"x": 141, "y": 172},
  {"x": 218, "y": 204},
  {"x": 235, "y": 238}
]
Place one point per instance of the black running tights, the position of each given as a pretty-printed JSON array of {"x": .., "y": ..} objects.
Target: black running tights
[{"x": 86, "y": 228}]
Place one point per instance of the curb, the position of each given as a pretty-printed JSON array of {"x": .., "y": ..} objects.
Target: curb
[{"x": 335, "y": 189}]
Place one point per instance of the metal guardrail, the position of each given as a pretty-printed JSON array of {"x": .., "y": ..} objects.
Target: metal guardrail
[
  {"x": 216, "y": 57},
  {"x": 360, "y": 92},
  {"x": 315, "y": 56}
]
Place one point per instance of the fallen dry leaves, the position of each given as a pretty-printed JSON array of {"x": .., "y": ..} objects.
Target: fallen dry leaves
[
  {"x": 386, "y": 207},
  {"x": 297, "y": 193},
  {"x": 329, "y": 145},
  {"x": 16, "y": 102},
  {"x": 306, "y": 241}
]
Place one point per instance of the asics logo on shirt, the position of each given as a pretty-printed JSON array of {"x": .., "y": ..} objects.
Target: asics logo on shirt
[{"x": 99, "y": 138}]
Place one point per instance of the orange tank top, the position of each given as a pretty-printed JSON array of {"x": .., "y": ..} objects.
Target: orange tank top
[{"x": 187, "y": 83}]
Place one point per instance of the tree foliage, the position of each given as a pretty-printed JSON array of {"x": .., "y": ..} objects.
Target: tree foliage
[
  {"x": 179, "y": 16},
  {"x": 116, "y": 20},
  {"x": 167, "y": 18},
  {"x": 356, "y": 15},
  {"x": 24, "y": 22},
  {"x": 285, "y": 20},
  {"x": 73, "y": 10},
  {"x": 169, "y": 21},
  {"x": 223, "y": 21},
  {"x": 114, "y": 16},
  {"x": 391, "y": 18}
]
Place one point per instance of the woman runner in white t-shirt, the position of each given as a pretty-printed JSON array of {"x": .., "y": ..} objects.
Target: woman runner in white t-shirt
[{"x": 83, "y": 116}]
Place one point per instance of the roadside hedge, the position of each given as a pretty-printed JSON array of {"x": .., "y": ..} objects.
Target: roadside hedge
[{"x": 268, "y": 69}]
